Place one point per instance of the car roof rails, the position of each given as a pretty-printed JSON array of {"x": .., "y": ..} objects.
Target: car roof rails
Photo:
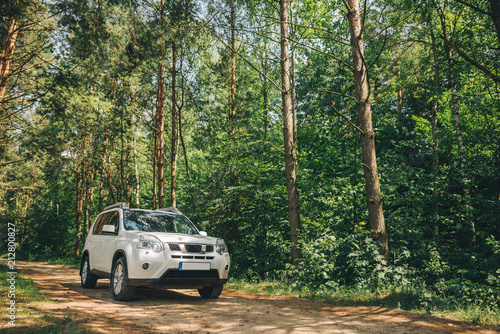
[
  {"x": 117, "y": 206},
  {"x": 174, "y": 210}
]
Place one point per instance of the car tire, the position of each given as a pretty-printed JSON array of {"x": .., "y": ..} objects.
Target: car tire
[
  {"x": 88, "y": 279},
  {"x": 120, "y": 287},
  {"x": 211, "y": 292}
]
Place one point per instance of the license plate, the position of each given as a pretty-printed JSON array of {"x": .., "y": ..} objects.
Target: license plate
[{"x": 194, "y": 266}]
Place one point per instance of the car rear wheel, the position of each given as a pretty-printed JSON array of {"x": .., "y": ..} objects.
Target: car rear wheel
[
  {"x": 119, "y": 282},
  {"x": 88, "y": 279},
  {"x": 211, "y": 292}
]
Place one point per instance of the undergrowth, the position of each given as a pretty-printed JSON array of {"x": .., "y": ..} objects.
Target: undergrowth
[
  {"x": 417, "y": 299},
  {"x": 30, "y": 316}
]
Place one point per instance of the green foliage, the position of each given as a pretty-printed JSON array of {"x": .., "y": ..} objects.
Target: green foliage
[
  {"x": 85, "y": 122},
  {"x": 353, "y": 260}
]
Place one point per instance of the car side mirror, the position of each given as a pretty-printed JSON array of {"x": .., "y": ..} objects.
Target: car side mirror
[
  {"x": 109, "y": 229},
  {"x": 203, "y": 233}
]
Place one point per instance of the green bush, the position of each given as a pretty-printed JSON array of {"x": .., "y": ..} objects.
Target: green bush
[{"x": 329, "y": 262}]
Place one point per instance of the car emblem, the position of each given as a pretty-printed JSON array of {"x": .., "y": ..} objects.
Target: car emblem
[{"x": 203, "y": 249}]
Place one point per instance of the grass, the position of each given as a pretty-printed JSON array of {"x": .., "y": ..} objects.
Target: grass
[
  {"x": 30, "y": 314},
  {"x": 404, "y": 298}
]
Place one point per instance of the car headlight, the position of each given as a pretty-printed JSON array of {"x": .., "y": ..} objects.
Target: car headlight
[
  {"x": 150, "y": 242},
  {"x": 220, "y": 247}
]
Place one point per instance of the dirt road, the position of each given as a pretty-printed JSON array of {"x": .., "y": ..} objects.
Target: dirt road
[{"x": 183, "y": 311}]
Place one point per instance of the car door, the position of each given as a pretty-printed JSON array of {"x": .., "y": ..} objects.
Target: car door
[
  {"x": 103, "y": 240},
  {"x": 94, "y": 240},
  {"x": 109, "y": 245}
]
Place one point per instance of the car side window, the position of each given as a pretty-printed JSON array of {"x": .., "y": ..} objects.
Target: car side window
[
  {"x": 114, "y": 220},
  {"x": 108, "y": 218},
  {"x": 101, "y": 220}
]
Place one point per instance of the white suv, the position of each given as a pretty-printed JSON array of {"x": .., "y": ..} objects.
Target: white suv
[{"x": 135, "y": 247}]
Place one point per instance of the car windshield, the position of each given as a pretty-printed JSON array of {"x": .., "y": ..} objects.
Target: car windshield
[{"x": 152, "y": 221}]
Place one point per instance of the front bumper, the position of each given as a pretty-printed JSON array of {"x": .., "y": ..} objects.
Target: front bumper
[
  {"x": 183, "y": 279},
  {"x": 177, "y": 269}
]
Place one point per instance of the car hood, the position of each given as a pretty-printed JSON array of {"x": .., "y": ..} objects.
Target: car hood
[{"x": 181, "y": 238}]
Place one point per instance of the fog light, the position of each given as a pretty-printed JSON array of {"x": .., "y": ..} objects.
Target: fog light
[{"x": 146, "y": 266}]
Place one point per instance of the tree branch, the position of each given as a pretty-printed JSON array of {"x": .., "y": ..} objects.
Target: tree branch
[
  {"x": 477, "y": 9},
  {"x": 347, "y": 119},
  {"x": 249, "y": 63},
  {"x": 344, "y": 95},
  {"x": 462, "y": 54}
]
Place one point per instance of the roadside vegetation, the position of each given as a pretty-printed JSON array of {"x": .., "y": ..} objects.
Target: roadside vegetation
[
  {"x": 31, "y": 318},
  {"x": 471, "y": 309}
]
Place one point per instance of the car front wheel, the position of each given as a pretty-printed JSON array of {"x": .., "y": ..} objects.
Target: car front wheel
[
  {"x": 211, "y": 292},
  {"x": 119, "y": 282},
  {"x": 88, "y": 279}
]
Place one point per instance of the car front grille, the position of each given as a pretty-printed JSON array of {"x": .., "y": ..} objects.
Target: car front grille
[
  {"x": 197, "y": 248},
  {"x": 174, "y": 247}
]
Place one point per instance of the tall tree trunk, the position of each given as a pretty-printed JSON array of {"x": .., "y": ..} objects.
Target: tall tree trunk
[
  {"x": 136, "y": 169},
  {"x": 495, "y": 15},
  {"x": 88, "y": 170},
  {"x": 79, "y": 205},
  {"x": 160, "y": 128},
  {"x": 435, "y": 140},
  {"x": 292, "y": 76},
  {"x": 184, "y": 147},
  {"x": 103, "y": 172},
  {"x": 362, "y": 88},
  {"x": 400, "y": 99},
  {"x": 175, "y": 130},
  {"x": 265, "y": 90},
  {"x": 123, "y": 178},
  {"x": 155, "y": 150},
  {"x": 111, "y": 187},
  {"x": 181, "y": 138},
  {"x": 232, "y": 102},
  {"x": 458, "y": 131},
  {"x": 6, "y": 53},
  {"x": 90, "y": 200},
  {"x": 160, "y": 121},
  {"x": 80, "y": 194},
  {"x": 288, "y": 131}
]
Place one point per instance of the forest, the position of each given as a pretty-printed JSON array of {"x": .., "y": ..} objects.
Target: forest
[{"x": 332, "y": 144}]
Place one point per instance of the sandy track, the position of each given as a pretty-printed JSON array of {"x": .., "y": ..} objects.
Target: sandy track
[{"x": 183, "y": 311}]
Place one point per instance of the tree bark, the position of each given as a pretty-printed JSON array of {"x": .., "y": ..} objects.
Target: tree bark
[
  {"x": 495, "y": 15},
  {"x": 111, "y": 190},
  {"x": 435, "y": 140},
  {"x": 183, "y": 147},
  {"x": 160, "y": 128},
  {"x": 78, "y": 214},
  {"x": 160, "y": 121},
  {"x": 265, "y": 90},
  {"x": 124, "y": 195},
  {"x": 292, "y": 76},
  {"x": 6, "y": 54},
  {"x": 155, "y": 150},
  {"x": 288, "y": 134},
  {"x": 136, "y": 169},
  {"x": 175, "y": 131},
  {"x": 80, "y": 195},
  {"x": 232, "y": 103},
  {"x": 103, "y": 172},
  {"x": 370, "y": 168}
]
